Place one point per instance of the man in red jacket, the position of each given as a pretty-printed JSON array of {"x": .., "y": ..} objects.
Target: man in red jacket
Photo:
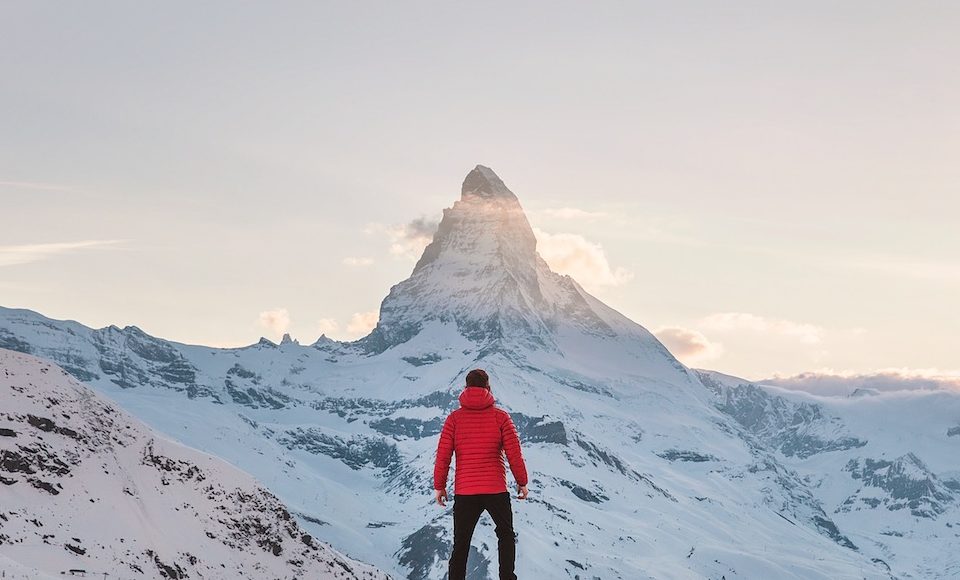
[{"x": 480, "y": 434}]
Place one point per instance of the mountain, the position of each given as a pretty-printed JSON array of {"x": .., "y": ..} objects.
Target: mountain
[
  {"x": 481, "y": 279},
  {"x": 883, "y": 465},
  {"x": 640, "y": 467},
  {"x": 86, "y": 487}
]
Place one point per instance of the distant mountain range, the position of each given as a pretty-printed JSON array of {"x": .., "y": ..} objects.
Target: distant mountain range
[{"x": 640, "y": 466}]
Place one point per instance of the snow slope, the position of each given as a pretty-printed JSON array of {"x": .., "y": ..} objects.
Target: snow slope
[
  {"x": 640, "y": 467},
  {"x": 85, "y": 486},
  {"x": 885, "y": 466}
]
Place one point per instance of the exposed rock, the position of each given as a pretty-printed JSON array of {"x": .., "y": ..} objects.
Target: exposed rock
[
  {"x": 426, "y": 551},
  {"x": 904, "y": 483},
  {"x": 684, "y": 455},
  {"x": 419, "y": 361},
  {"x": 356, "y": 452},
  {"x": 407, "y": 427},
  {"x": 74, "y": 448},
  {"x": 539, "y": 429},
  {"x": 584, "y": 493},
  {"x": 795, "y": 429}
]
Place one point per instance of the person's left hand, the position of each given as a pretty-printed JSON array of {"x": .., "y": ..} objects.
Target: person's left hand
[{"x": 441, "y": 496}]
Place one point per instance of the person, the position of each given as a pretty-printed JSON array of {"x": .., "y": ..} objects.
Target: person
[{"x": 480, "y": 434}]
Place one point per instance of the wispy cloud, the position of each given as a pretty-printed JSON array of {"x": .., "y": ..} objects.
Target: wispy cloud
[
  {"x": 409, "y": 239},
  {"x": 841, "y": 382},
  {"x": 328, "y": 326},
  {"x": 27, "y": 253},
  {"x": 277, "y": 320},
  {"x": 361, "y": 323},
  {"x": 61, "y": 190},
  {"x": 744, "y": 321},
  {"x": 585, "y": 261},
  {"x": 680, "y": 231},
  {"x": 688, "y": 345},
  {"x": 38, "y": 186},
  {"x": 910, "y": 268}
]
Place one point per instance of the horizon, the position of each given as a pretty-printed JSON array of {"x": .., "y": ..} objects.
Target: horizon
[{"x": 787, "y": 210}]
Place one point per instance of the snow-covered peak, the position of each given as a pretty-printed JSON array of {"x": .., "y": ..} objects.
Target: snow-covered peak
[
  {"x": 486, "y": 229},
  {"x": 482, "y": 275},
  {"x": 483, "y": 182}
]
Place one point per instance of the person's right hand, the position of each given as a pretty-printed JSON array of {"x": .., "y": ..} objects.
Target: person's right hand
[
  {"x": 522, "y": 492},
  {"x": 441, "y": 496}
]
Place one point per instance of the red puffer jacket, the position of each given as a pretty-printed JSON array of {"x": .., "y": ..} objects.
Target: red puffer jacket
[{"x": 480, "y": 434}]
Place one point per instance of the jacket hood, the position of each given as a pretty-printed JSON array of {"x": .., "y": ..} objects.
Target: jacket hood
[{"x": 476, "y": 398}]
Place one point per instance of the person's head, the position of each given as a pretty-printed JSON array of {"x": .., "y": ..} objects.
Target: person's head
[{"x": 478, "y": 378}]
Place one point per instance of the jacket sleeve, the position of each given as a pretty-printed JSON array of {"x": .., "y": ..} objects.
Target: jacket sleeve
[
  {"x": 511, "y": 446},
  {"x": 441, "y": 467}
]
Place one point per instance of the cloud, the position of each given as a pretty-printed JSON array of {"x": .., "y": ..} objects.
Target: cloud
[
  {"x": 838, "y": 382},
  {"x": 328, "y": 326},
  {"x": 740, "y": 321},
  {"x": 277, "y": 321},
  {"x": 361, "y": 323},
  {"x": 585, "y": 261},
  {"x": 919, "y": 269},
  {"x": 422, "y": 227},
  {"x": 28, "y": 253},
  {"x": 357, "y": 262},
  {"x": 688, "y": 345},
  {"x": 573, "y": 213},
  {"x": 409, "y": 239}
]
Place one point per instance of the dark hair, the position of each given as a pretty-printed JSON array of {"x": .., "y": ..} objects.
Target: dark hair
[{"x": 478, "y": 378}]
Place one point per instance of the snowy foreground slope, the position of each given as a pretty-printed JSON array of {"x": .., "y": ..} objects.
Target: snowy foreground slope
[
  {"x": 83, "y": 486},
  {"x": 640, "y": 467}
]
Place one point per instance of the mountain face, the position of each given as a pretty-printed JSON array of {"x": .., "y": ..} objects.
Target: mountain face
[
  {"x": 883, "y": 465},
  {"x": 87, "y": 487},
  {"x": 640, "y": 467}
]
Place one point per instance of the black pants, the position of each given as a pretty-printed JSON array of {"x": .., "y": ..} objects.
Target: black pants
[{"x": 467, "y": 510}]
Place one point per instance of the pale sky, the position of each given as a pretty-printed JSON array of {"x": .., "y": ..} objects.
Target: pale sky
[{"x": 771, "y": 188}]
